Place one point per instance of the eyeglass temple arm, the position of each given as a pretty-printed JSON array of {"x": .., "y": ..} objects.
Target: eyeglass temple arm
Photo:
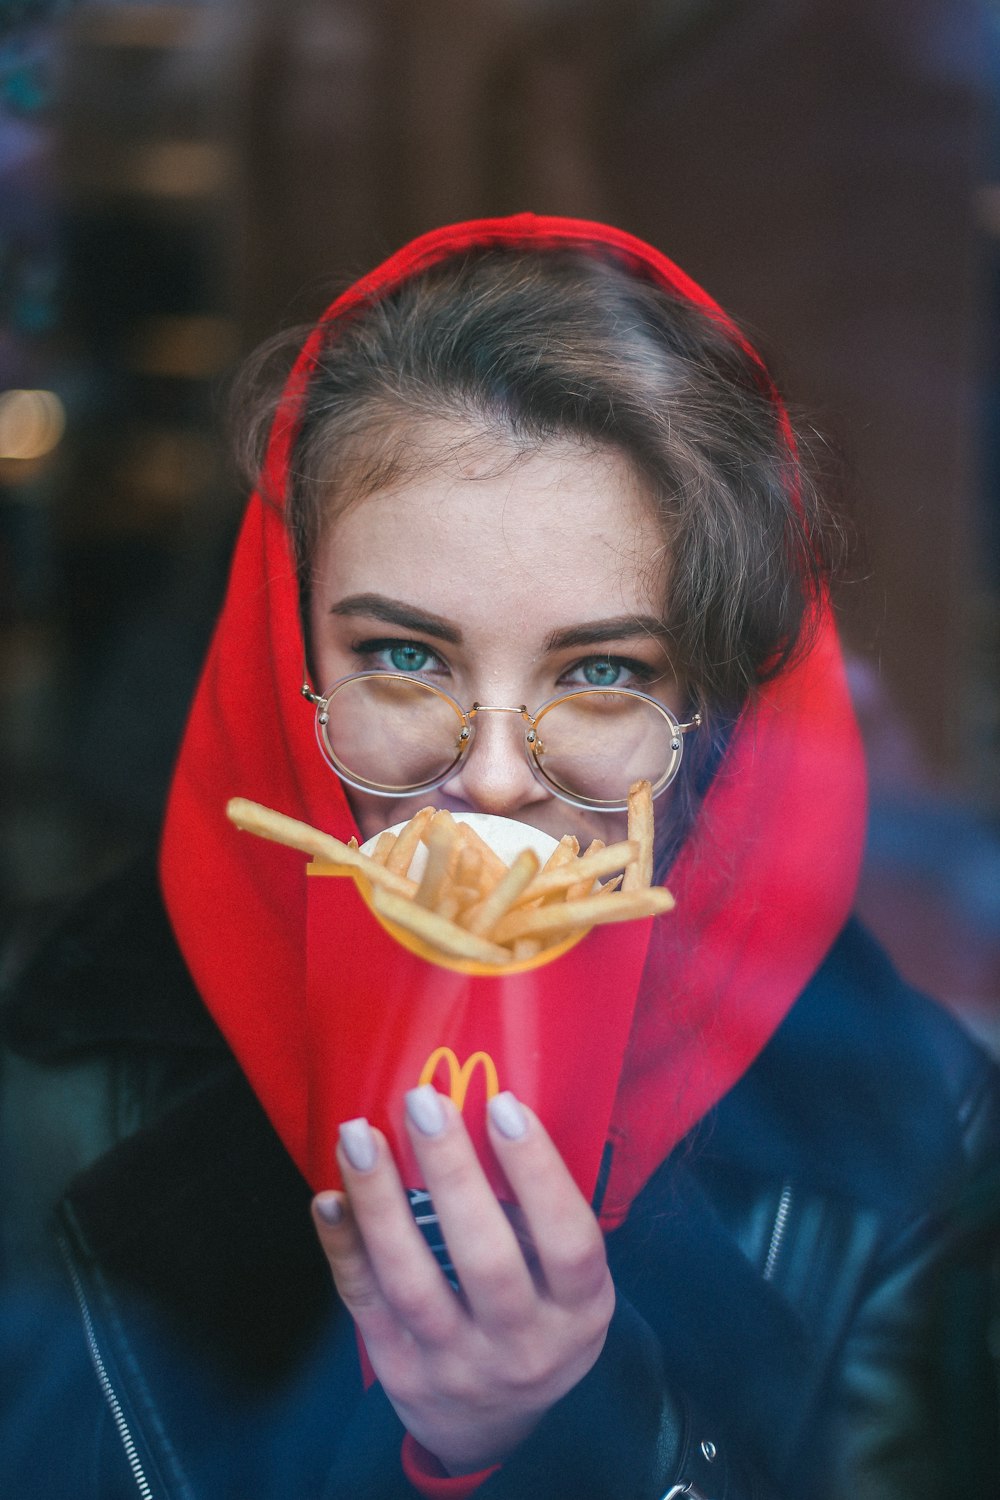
[{"x": 693, "y": 723}]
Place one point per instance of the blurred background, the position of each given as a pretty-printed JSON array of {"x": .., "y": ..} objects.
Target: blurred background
[{"x": 178, "y": 181}]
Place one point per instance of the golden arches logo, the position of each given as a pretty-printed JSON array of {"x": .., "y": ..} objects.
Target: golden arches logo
[{"x": 460, "y": 1074}]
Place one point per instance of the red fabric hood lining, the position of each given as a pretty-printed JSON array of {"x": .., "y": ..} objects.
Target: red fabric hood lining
[{"x": 763, "y": 884}]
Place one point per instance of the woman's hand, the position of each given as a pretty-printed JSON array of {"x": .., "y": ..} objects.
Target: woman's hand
[{"x": 469, "y": 1373}]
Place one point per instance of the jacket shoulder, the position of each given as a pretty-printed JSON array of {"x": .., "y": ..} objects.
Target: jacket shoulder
[
  {"x": 101, "y": 1033},
  {"x": 869, "y": 1089},
  {"x": 105, "y": 972}
]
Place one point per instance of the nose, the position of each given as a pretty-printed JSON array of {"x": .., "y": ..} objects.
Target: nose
[{"x": 495, "y": 776}]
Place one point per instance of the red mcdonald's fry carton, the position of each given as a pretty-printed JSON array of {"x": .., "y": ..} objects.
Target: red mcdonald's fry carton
[{"x": 386, "y": 1013}]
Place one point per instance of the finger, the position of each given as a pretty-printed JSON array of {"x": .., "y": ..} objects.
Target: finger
[
  {"x": 353, "y": 1275},
  {"x": 565, "y": 1234},
  {"x": 483, "y": 1247},
  {"x": 408, "y": 1277}
]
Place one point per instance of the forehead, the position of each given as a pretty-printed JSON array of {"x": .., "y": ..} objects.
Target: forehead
[{"x": 483, "y": 524}]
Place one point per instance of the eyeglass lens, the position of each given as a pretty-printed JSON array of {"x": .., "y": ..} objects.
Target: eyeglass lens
[
  {"x": 394, "y": 733},
  {"x": 400, "y": 734},
  {"x": 595, "y": 745}
]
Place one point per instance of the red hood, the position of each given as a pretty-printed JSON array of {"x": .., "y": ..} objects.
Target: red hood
[{"x": 763, "y": 884}]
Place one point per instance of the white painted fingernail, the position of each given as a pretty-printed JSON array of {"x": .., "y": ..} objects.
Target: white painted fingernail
[
  {"x": 329, "y": 1207},
  {"x": 423, "y": 1105},
  {"x": 508, "y": 1116},
  {"x": 359, "y": 1144}
]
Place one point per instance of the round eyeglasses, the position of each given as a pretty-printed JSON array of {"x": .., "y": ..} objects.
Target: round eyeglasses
[{"x": 395, "y": 735}]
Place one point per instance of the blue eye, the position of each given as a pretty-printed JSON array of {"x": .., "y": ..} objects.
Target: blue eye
[
  {"x": 396, "y": 655},
  {"x": 408, "y": 657},
  {"x": 610, "y": 672},
  {"x": 602, "y": 673}
]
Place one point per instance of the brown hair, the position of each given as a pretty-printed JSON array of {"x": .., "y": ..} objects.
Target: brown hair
[{"x": 532, "y": 346}]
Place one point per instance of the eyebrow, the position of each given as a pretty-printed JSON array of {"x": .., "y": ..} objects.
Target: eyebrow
[
  {"x": 407, "y": 617},
  {"x": 595, "y": 632},
  {"x": 395, "y": 612}
]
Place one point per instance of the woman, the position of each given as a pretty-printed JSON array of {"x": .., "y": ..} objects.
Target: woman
[{"x": 522, "y": 458}]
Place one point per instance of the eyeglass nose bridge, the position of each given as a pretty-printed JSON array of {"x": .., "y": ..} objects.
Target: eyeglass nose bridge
[
  {"x": 500, "y": 708},
  {"x": 465, "y": 734}
]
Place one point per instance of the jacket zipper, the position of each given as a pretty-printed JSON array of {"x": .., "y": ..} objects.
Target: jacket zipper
[
  {"x": 115, "y": 1407},
  {"x": 104, "y": 1380},
  {"x": 778, "y": 1231}
]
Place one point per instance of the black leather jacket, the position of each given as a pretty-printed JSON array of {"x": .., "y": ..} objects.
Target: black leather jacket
[{"x": 807, "y": 1288}]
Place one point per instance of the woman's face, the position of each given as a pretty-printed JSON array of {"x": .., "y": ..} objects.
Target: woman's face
[{"x": 502, "y": 578}]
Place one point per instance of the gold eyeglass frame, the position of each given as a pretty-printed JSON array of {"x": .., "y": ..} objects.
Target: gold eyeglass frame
[{"x": 533, "y": 747}]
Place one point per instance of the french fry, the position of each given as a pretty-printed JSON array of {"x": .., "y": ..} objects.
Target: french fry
[
  {"x": 448, "y": 905},
  {"x": 383, "y": 848},
  {"x": 640, "y": 828},
  {"x": 468, "y": 895},
  {"x": 594, "y": 847},
  {"x": 454, "y": 898},
  {"x": 406, "y": 843},
  {"x": 251, "y": 817},
  {"x": 469, "y": 869},
  {"x": 589, "y": 867},
  {"x": 567, "y": 848},
  {"x": 437, "y": 930},
  {"x": 441, "y": 839},
  {"x": 484, "y": 916},
  {"x": 564, "y": 916},
  {"x": 468, "y": 904},
  {"x": 492, "y": 865}
]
